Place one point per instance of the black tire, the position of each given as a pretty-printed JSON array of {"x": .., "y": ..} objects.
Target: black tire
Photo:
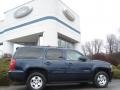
[
  {"x": 30, "y": 81},
  {"x": 98, "y": 82}
]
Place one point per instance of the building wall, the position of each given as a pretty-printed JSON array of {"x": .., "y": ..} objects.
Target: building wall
[{"x": 47, "y": 17}]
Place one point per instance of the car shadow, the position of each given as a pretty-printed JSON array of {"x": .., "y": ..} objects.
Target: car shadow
[
  {"x": 69, "y": 87},
  {"x": 61, "y": 87}
]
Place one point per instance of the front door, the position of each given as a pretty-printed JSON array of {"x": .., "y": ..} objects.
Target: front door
[{"x": 77, "y": 70}]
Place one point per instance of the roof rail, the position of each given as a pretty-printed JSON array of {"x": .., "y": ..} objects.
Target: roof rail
[{"x": 43, "y": 46}]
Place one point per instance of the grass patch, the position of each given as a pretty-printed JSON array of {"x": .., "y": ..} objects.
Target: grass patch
[
  {"x": 116, "y": 72},
  {"x": 118, "y": 67}
]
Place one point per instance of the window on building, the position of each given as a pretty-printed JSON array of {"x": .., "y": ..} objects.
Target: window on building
[
  {"x": 65, "y": 44},
  {"x": 53, "y": 54},
  {"x": 1, "y": 44}
]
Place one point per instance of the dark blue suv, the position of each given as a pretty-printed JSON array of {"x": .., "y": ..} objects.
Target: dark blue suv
[{"x": 38, "y": 66}]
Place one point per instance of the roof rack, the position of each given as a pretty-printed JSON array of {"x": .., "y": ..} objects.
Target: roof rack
[
  {"x": 43, "y": 46},
  {"x": 51, "y": 46}
]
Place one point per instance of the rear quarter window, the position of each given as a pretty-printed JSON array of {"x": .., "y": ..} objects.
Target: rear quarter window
[{"x": 29, "y": 53}]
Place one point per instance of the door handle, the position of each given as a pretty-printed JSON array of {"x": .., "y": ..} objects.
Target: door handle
[
  {"x": 70, "y": 63},
  {"x": 47, "y": 63},
  {"x": 62, "y": 68}
]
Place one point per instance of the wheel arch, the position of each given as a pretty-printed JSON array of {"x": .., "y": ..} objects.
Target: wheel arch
[
  {"x": 36, "y": 69},
  {"x": 102, "y": 69}
]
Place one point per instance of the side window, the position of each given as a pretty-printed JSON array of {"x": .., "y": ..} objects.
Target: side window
[
  {"x": 53, "y": 54},
  {"x": 29, "y": 53},
  {"x": 73, "y": 55}
]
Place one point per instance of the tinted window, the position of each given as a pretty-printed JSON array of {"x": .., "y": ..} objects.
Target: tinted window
[
  {"x": 65, "y": 44},
  {"x": 73, "y": 55},
  {"x": 29, "y": 53},
  {"x": 53, "y": 54}
]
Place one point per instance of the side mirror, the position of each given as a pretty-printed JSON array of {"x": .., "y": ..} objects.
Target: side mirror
[{"x": 83, "y": 58}]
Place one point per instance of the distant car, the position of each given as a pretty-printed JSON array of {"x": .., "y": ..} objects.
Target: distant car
[{"x": 38, "y": 66}]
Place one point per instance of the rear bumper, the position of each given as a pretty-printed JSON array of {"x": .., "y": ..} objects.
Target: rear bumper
[{"x": 18, "y": 76}]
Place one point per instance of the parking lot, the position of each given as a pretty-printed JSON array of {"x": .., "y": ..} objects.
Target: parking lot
[{"x": 114, "y": 85}]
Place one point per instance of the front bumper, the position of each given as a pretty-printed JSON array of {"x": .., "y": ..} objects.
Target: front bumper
[
  {"x": 111, "y": 76},
  {"x": 18, "y": 76}
]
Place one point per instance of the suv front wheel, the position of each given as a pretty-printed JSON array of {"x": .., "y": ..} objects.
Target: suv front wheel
[
  {"x": 101, "y": 79},
  {"x": 36, "y": 81}
]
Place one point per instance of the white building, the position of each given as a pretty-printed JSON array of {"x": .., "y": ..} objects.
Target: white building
[{"x": 40, "y": 22}]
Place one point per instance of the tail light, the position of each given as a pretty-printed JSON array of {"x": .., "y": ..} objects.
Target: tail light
[{"x": 12, "y": 65}]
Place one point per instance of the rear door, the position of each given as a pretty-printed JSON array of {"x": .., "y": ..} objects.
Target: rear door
[{"x": 55, "y": 64}]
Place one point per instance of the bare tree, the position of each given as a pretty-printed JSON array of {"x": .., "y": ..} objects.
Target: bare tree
[
  {"x": 112, "y": 44},
  {"x": 89, "y": 48},
  {"x": 84, "y": 50},
  {"x": 92, "y": 47},
  {"x": 97, "y": 44},
  {"x": 117, "y": 46}
]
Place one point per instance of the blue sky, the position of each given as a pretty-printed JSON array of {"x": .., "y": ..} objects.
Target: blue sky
[{"x": 98, "y": 18}]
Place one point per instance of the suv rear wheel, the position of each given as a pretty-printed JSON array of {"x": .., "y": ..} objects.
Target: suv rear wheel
[
  {"x": 101, "y": 79},
  {"x": 36, "y": 81}
]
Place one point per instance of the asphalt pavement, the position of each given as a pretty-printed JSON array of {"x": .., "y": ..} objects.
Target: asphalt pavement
[{"x": 114, "y": 85}]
